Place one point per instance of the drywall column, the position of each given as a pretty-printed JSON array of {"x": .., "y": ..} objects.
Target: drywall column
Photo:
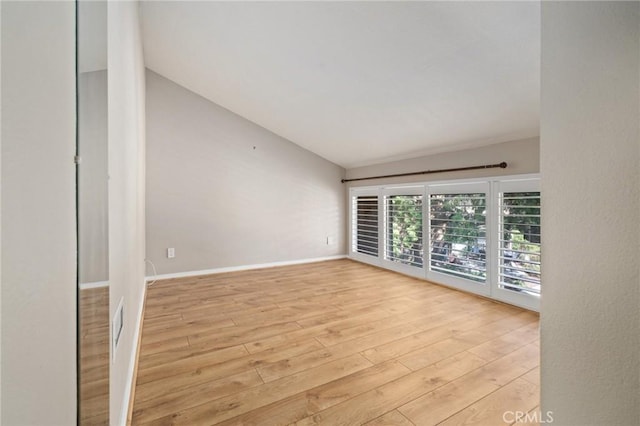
[
  {"x": 38, "y": 214},
  {"x": 0, "y": 215},
  {"x": 126, "y": 123},
  {"x": 590, "y": 163}
]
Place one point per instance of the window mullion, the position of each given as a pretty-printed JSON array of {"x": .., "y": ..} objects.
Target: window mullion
[{"x": 483, "y": 250}]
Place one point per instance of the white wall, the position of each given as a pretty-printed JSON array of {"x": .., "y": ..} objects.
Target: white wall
[
  {"x": 590, "y": 163},
  {"x": 0, "y": 214},
  {"x": 92, "y": 182},
  {"x": 522, "y": 156},
  {"x": 225, "y": 192},
  {"x": 38, "y": 214},
  {"x": 126, "y": 88}
]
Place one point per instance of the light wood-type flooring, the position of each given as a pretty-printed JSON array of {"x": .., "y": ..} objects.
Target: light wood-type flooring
[
  {"x": 94, "y": 357},
  {"x": 333, "y": 343}
]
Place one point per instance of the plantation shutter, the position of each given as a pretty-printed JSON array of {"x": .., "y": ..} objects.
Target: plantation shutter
[
  {"x": 403, "y": 219},
  {"x": 457, "y": 228},
  {"x": 365, "y": 225},
  {"x": 519, "y": 244}
]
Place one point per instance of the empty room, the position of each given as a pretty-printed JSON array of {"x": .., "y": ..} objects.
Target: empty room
[{"x": 337, "y": 213}]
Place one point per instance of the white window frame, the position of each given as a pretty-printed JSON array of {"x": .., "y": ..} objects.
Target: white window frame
[
  {"x": 353, "y": 194},
  {"x": 526, "y": 300},
  {"x": 492, "y": 186},
  {"x": 451, "y": 280},
  {"x": 389, "y": 264}
]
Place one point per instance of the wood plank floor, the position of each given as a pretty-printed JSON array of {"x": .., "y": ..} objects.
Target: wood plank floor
[
  {"x": 334, "y": 343},
  {"x": 94, "y": 357}
]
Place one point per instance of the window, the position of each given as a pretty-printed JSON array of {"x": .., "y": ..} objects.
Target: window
[
  {"x": 477, "y": 235},
  {"x": 519, "y": 248},
  {"x": 404, "y": 229},
  {"x": 365, "y": 225},
  {"x": 458, "y": 235}
]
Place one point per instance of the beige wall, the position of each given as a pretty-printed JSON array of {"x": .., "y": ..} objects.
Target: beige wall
[
  {"x": 225, "y": 192},
  {"x": 522, "y": 156},
  {"x": 126, "y": 88},
  {"x": 38, "y": 214},
  {"x": 590, "y": 163},
  {"x": 92, "y": 182}
]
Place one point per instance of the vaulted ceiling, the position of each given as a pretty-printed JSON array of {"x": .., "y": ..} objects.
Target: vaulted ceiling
[{"x": 359, "y": 82}]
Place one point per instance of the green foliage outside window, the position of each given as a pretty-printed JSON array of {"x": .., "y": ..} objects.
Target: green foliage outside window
[
  {"x": 405, "y": 229},
  {"x": 458, "y": 241},
  {"x": 520, "y": 263}
]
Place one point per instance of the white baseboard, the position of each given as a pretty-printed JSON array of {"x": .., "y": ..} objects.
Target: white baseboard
[
  {"x": 244, "y": 267},
  {"x": 132, "y": 361},
  {"x": 97, "y": 284}
]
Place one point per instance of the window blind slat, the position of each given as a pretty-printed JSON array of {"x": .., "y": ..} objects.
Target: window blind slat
[
  {"x": 519, "y": 242},
  {"x": 365, "y": 225},
  {"x": 403, "y": 229},
  {"x": 457, "y": 235}
]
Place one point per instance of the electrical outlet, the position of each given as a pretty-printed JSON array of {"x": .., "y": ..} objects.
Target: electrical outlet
[
  {"x": 329, "y": 241},
  {"x": 171, "y": 252}
]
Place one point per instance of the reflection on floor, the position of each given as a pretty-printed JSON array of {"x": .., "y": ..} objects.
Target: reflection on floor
[{"x": 94, "y": 356}]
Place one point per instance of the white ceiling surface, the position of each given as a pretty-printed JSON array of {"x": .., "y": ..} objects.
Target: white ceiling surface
[{"x": 359, "y": 82}]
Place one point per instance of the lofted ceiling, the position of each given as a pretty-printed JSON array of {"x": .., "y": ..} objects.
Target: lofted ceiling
[{"x": 359, "y": 82}]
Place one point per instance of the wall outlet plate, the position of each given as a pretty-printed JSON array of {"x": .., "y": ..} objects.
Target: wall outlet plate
[{"x": 171, "y": 253}]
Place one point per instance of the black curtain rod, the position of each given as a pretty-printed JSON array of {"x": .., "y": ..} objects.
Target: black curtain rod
[{"x": 502, "y": 165}]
